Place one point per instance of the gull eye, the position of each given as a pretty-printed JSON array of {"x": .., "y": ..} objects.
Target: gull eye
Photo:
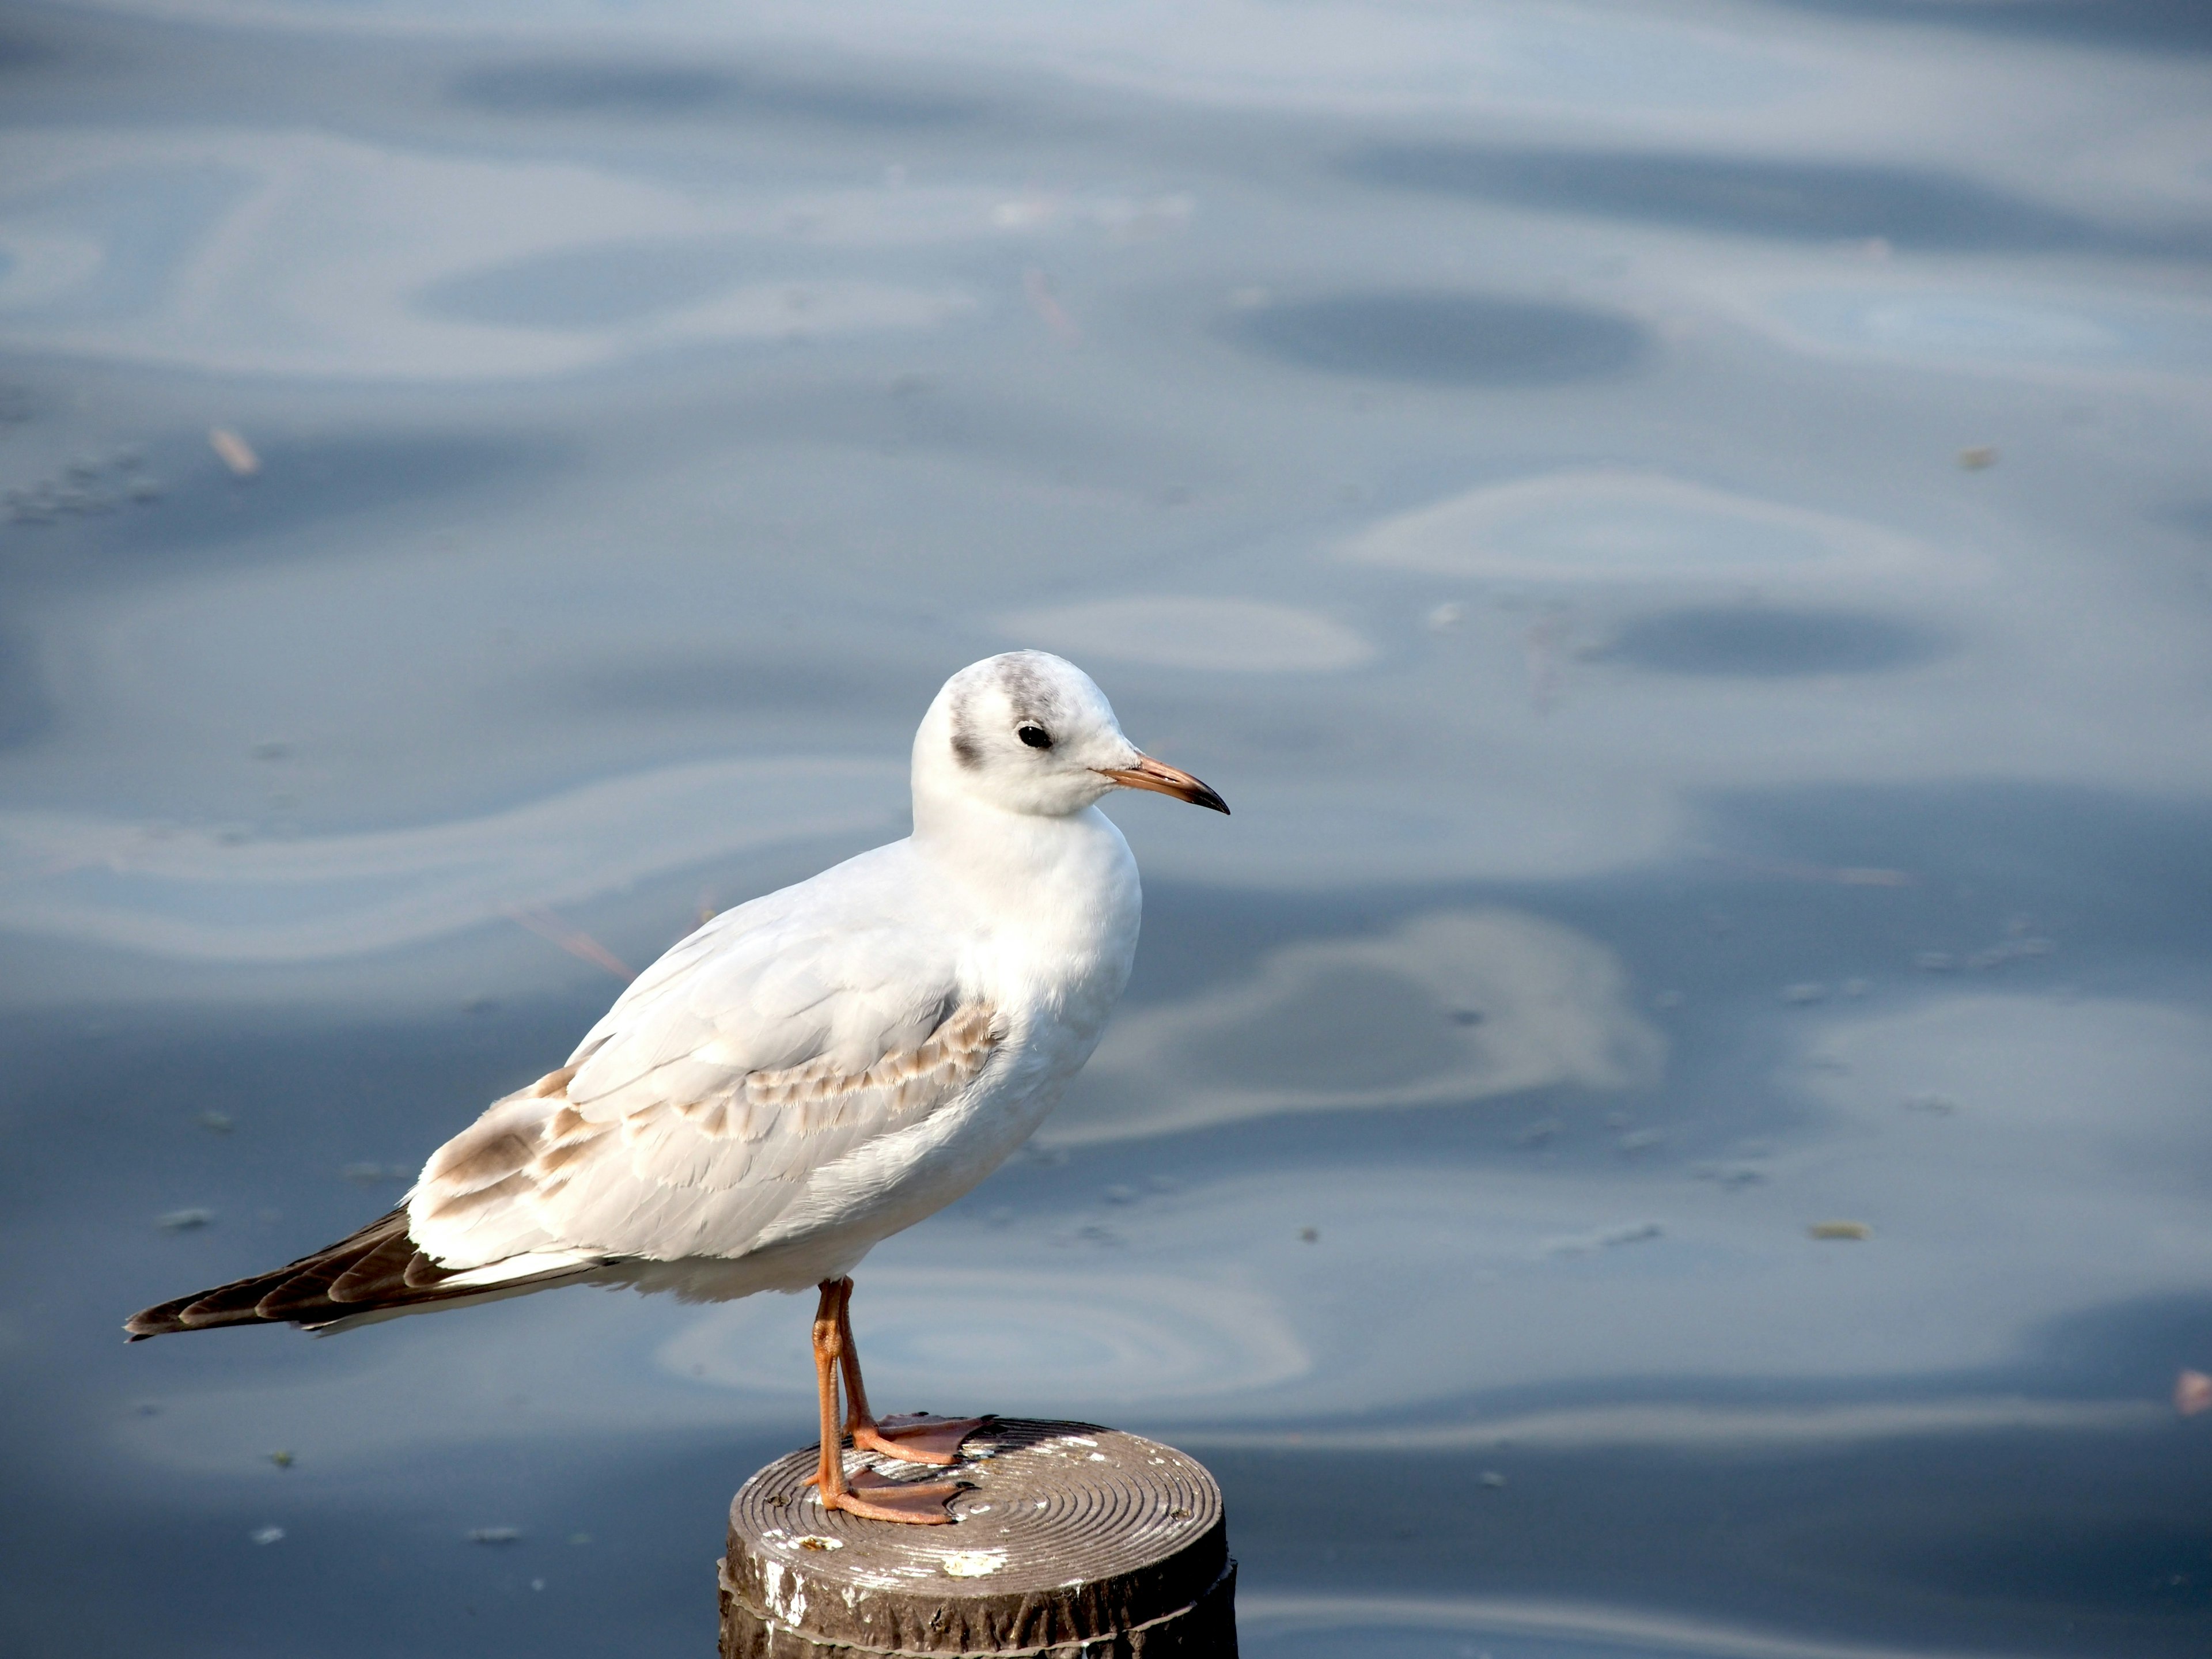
[{"x": 1034, "y": 735}]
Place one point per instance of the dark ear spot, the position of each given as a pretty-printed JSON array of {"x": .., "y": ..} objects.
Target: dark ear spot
[{"x": 966, "y": 748}]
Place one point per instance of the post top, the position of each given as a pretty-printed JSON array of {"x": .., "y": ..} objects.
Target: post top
[{"x": 1072, "y": 1531}]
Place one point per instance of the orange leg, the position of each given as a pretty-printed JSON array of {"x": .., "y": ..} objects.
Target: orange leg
[
  {"x": 911, "y": 1436},
  {"x": 866, "y": 1494}
]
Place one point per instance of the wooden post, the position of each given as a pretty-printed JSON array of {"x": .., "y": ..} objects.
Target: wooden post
[{"x": 1077, "y": 1542}]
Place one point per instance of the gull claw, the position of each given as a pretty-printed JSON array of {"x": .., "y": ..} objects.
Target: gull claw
[
  {"x": 874, "y": 1497},
  {"x": 918, "y": 1438}
]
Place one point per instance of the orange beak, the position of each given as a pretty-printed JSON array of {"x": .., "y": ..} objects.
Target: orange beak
[{"x": 1164, "y": 779}]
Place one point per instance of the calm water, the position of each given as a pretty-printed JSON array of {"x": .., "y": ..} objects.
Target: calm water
[{"x": 1676, "y": 1119}]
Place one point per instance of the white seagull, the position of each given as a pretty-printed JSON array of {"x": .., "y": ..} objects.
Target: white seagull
[{"x": 804, "y": 1075}]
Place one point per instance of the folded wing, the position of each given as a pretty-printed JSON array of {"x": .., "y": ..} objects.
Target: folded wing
[{"x": 693, "y": 1115}]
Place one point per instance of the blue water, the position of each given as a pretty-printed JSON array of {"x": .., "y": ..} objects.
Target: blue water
[{"x": 1674, "y": 1120}]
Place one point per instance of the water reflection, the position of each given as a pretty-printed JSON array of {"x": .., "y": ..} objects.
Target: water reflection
[
  {"x": 1757, "y": 197},
  {"x": 2010, "y": 331},
  {"x": 1445, "y": 339},
  {"x": 227, "y": 895},
  {"x": 1448, "y": 1007},
  {"x": 2142, "y": 25},
  {"x": 1229, "y": 635}
]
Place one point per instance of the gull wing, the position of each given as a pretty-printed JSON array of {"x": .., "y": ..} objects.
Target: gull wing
[{"x": 758, "y": 1051}]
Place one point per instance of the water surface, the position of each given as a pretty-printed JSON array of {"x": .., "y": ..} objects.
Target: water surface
[{"x": 1672, "y": 1121}]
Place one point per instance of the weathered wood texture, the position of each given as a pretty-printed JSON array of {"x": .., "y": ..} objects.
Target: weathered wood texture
[{"x": 1078, "y": 1542}]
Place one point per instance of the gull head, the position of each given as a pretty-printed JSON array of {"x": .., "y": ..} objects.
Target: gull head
[{"x": 1029, "y": 732}]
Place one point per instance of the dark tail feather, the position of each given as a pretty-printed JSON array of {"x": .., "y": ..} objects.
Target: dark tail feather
[{"x": 377, "y": 1267}]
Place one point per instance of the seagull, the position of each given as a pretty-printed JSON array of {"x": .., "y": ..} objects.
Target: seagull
[{"x": 802, "y": 1077}]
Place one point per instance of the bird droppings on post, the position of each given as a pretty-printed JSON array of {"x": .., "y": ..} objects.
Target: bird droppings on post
[{"x": 1068, "y": 1536}]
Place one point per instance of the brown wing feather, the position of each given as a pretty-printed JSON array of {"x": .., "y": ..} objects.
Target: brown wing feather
[{"x": 377, "y": 1268}]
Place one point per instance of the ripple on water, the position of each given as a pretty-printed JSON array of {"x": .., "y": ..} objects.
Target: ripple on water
[
  {"x": 591, "y": 287},
  {"x": 647, "y": 91},
  {"x": 1750, "y": 643},
  {"x": 1008, "y": 1340},
  {"x": 1439, "y": 338},
  {"x": 1603, "y": 524}
]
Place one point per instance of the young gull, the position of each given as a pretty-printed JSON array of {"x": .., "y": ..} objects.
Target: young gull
[{"x": 802, "y": 1076}]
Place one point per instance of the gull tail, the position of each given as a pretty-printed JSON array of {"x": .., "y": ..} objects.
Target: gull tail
[{"x": 377, "y": 1271}]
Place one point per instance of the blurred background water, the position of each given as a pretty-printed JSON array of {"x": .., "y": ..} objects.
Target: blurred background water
[{"x": 1682, "y": 1098}]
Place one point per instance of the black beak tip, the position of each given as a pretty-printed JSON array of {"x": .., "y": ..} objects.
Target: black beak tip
[{"x": 1205, "y": 797}]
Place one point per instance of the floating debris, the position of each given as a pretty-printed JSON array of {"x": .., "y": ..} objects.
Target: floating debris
[
  {"x": 1805, "y": 991},
  {"x": 1543, "y": 1130},
  {"x": 2192, "y": 1393},
  {"x": 580, "y": 1538},
  {"x": 183, "y": 1221},
  {"x": 267, "y": 1534},
  {"x": 234, "y": 452},
  {"x": 216, "y": 1123},
  {"x": 1444, "y": 617},
  {"x": 1640, "y": 1140},
  {"x": 1977, "y": 458},
  {"x": 282, "y": 1460},
  {"x": 1120, "y": 1194},
  {"x": 1935, "y": 1105},
  {"x": 1467, "y": 1016},
  {"x": 1493, "y": 1479},
  {"x": 1847, "y": 1230},
  {"x": 494, "y": 1534},
  {"x": 1310, "y": 1235},
  {"x": 1855, "y": 987}
]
